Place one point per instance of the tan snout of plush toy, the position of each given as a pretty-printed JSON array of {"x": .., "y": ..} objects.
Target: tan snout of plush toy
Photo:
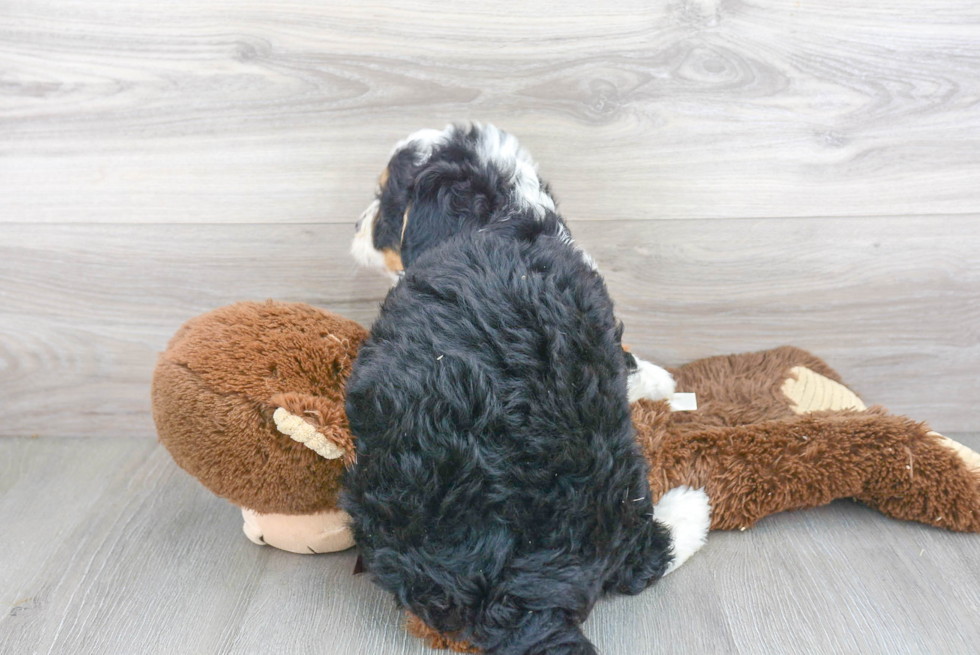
[{"x": 249, "y": 399}]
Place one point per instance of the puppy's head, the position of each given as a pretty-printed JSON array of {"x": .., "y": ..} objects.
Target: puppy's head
[{"x": 439, "y": 183}]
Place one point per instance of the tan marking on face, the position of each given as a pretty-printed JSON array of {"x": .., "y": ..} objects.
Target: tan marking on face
[
  {"x": 625, "y": 348},
  {"x": 383, "y": 180},
  {"x": 393, "y": 261}
]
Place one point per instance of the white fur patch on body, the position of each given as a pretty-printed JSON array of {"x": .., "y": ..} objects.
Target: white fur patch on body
[
  {"x": 565, "y": 237},
  {"x": 687, "y": 512},
  {"x": 649, "y": 381}
]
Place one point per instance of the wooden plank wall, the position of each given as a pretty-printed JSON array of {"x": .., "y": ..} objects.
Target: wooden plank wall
[{"x": 747, "y": 174}]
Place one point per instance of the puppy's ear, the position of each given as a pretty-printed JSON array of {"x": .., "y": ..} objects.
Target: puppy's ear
[
  {"x": 449, "y": 198},
  {"x": 427, "y": 223}
]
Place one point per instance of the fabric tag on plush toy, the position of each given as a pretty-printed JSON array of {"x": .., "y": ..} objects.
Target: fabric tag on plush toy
[{"x": 684, "y": 402}]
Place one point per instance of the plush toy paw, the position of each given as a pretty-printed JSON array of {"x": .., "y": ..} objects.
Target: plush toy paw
[
  {"x": 323, "y": 532},
  {"x": 687, "y": 512},
  {"x": 649, "y": 381}
]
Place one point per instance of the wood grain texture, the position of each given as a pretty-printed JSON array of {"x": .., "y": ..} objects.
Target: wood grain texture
[
  {"x": 892, "y": 303},
  {"x": 143, "y": 560},
  {"x": 108, "y": 547},
  {"x": 218, "y": 111},
  {"x": 87, "y": 308}
]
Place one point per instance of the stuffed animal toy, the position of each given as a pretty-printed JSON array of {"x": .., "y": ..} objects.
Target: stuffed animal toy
[{"x": 249, "y": 399}]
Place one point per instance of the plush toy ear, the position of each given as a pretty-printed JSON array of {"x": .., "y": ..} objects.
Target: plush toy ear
[{"x": 317, "y": 423}]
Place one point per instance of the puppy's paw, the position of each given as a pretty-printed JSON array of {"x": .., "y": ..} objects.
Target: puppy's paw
[
  {"x": 649, "y": 381},
  {"x": 687, "y": 512}
]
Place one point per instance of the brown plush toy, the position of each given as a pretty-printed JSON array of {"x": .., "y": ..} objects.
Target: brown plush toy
[
  {"x": 778, "y": 430},
  {"x": 249, "y": 399}
]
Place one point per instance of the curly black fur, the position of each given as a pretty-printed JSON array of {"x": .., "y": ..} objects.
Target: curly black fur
[{"x": 498, "y": 490}]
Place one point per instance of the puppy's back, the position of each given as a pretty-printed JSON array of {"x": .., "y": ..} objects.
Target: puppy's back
[{"x": 498, "y": 490}]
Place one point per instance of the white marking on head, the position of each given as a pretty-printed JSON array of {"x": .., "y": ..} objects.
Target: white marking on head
[
  {"x": 423, "y": 142},
  {"x": 503, "y": 151},
  {"x": 494, "y": 146}
]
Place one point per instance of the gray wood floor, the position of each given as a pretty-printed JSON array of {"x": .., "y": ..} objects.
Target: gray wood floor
[
  {"x": 108, "y": 547},
  {"x": 747, "y": 174}
]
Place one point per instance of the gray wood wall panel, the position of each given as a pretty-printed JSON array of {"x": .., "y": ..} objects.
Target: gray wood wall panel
[
  {"x": 893, "y": 303},
  {"x": 219, "y": 111},
  {"x": 108, "y": 547},
  {"x": 85, "y": 308}
]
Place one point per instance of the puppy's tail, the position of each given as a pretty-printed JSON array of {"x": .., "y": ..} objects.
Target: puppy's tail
[{"x": 546, "y": 632}]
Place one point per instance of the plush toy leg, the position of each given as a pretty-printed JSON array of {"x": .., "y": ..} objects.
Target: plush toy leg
[
  {"x": 942, "y": 487},
  {"x": 969, "y": 457},
  {"x": 887, "y": 462},
  {"x": 323, "y": 532},
  {"x": 926, "y": 477}
]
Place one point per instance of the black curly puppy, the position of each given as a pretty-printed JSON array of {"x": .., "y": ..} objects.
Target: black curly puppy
[{"x": 498, "y": 490}]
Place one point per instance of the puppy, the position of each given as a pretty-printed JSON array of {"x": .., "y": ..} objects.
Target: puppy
[
  {"x": 440, "y": 183},
  {"x": 498, "y": 490}
]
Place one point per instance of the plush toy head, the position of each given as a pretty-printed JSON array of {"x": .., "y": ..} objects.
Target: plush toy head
[{"x": 249, "y": 399}]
